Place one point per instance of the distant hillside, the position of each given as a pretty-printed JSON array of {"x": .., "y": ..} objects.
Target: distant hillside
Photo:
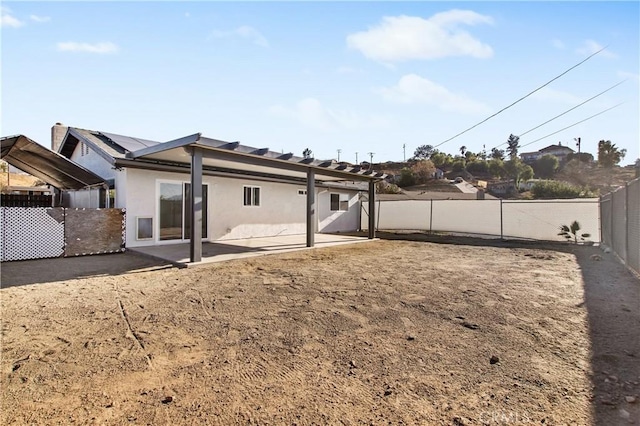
[
  {"x": 17, "y": 179},
  {"x": 596, "y": 178}
]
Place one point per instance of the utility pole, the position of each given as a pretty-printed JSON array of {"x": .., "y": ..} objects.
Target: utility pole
[
  {"x": 371, "y": 159},
  {"x": 339, "y": 151},
  {"x": 577, "y": 143},
  {"x": 404, "y": 153},
  {"x": 357, "y": 158}
]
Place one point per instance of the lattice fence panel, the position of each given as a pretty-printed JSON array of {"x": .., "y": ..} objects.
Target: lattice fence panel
[{"x": 32, "y": 233}]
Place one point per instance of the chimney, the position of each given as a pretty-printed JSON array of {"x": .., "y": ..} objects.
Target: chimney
[
  {"x": 57, "y": 135},
  {"x": 480, "y": 194}
]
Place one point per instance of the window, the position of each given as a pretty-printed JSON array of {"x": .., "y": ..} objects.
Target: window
[
  {"x": 251, "y": 196},
  {"x": 302, "y": 192},
  {"x": 175, "y": 211},
  {"x": 144, "y": 227},
  {"x": 339, "y": 202}
]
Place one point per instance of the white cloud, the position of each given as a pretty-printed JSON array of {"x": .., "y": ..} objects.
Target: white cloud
[
  {"x": 311, "y": 113},
  {"x": 8, "y": 20},
  {"x": 72, "y": 46},
  {"x": 401, "y": 38},
  {"x": 590, "y": 46},
  {"x": 558, "y": 44},
  {"x": 40, "y": 19},
  {"x": 548, "y": 94},
  {"x": 413, "y": 89},
  {"x": 245, "y": 32}
]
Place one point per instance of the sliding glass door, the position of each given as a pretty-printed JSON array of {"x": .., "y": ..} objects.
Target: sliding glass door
[{"x": 175, "y": 211}]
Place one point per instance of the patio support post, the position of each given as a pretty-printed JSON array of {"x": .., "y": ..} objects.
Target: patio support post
[
  {"x": 372, "y": 209},
  {"x": 311, "y": 207},
  {"x": 195, "y": 243}
]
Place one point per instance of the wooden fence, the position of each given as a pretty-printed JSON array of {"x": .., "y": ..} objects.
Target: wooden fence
[{"x": 25, "y": 200}]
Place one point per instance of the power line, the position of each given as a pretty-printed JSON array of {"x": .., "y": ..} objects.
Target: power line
[
  {"x": 574, "y": 124},
  {"x": 522, "y": 98},
  {"x": 567, "y": 111}
]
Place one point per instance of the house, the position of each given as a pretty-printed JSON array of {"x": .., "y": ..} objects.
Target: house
[
  {"x": 559, "y": 151},
  {"x": 501, "y": 187},
  {"x": 529, "y": 184},
  {"x": 234, "y": 191}
]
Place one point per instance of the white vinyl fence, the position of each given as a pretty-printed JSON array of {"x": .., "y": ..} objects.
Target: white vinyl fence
[
  {"x": 529, "y": 219},
  {"x": 620, "y": 212}
]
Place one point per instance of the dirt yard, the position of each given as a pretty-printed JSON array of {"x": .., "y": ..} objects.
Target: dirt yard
[{"x": 439, "y": 332}]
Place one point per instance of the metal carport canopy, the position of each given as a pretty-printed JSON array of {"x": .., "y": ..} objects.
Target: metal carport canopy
[
  {"x": 199, "y": 151},
  {"x": 48, "y": 166}
]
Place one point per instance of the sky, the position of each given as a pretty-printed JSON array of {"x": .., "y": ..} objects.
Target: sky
[{"x": 355, "y": 77}]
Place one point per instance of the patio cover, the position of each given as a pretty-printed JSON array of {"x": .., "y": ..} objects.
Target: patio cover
[
  {"x": 232, "y": 156},
  {"x": 48, "y": 166}
]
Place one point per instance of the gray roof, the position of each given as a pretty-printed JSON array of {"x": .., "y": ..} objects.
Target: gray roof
[
  {"x": 222, "y": 154},
  {"x": 48, "y": 166}
]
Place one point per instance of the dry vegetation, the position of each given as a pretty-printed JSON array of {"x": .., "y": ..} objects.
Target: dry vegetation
[
  {"x": 17, "y": 179},
  {"x": 386, "y": 332}
]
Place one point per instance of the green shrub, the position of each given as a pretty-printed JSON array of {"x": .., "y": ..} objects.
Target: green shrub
[
  {"x": 557, "y": 189},
  {"x": 407, "y": 178}
]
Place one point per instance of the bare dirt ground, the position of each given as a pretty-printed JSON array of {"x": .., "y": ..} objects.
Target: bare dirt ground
[{"x": 386, "y": 332}]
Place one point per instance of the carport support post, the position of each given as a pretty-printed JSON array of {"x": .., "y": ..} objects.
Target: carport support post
[
  {"x": 311, "y": 207},
  {"x": 195, "y": 243},
  {"x": 372, "y": 209}
]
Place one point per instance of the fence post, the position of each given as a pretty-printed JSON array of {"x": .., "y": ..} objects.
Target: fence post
[
  {"x": 501, "y": 222},
  {"x": 431, "y": 217}
]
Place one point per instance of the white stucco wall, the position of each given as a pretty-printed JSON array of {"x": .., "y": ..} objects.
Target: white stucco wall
[
  {"x": 282, "y": 210},
  {"x": 337, "y": 221},
  {"x": 90, "y": 160}
]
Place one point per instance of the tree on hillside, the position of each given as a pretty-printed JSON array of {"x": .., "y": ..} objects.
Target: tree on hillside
[
  {"x": 423, "y": 171},
  {"x": 496, "y": 168},
  {"x": 424, "y": 152},
  {"x": 518, "y": 170},
  {"x": 513, "y": 143},
  {"x": 609, "y": 154},
  {"x": 463, "y": 150},
  {"x": 478, "y": 167},
  {"x": 546, "y": 166},
  {"x": 441, "y": 160},
  {"x": 407, "y": 178},
  {"x": 497, "y": 154},
  {"x": 307, "y": 153}
]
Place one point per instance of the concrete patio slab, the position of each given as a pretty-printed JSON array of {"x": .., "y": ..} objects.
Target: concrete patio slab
[{"x": 220, "y": 251}]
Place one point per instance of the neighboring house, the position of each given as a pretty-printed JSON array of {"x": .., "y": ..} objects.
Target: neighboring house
[
  {"x": 559, "y": 151},
  {"x": 438, "y": 174},
  {"x": 501, "y": 187},
  {"x": 245, "y": 192},
  {"x": 527, "y": 185}
]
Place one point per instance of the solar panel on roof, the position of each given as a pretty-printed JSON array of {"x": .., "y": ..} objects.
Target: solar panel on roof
[{"x": 129, "y": 143}]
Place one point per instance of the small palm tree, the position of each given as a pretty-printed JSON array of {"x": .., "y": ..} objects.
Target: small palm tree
[{"x": 572, "y": 232}]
